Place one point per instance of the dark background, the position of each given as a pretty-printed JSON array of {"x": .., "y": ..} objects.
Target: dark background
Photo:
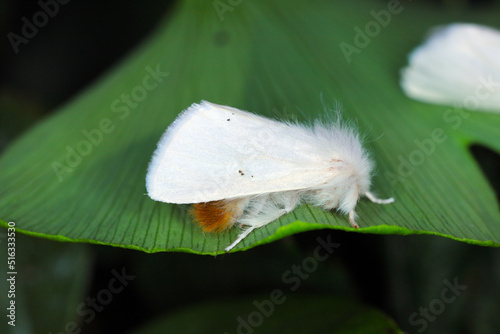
[{"x": 393, "y": 273}]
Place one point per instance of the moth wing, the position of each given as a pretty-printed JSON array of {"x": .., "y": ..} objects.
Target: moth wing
[{"x": 212, "y": 152}]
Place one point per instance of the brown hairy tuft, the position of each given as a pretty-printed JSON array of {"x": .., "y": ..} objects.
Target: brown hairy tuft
[{"x": 217, "y": 216}]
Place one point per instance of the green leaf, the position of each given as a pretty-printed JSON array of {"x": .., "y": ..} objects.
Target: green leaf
[
  {"x": 80, "y": 175},
  {"x": 291, "y": 314}
]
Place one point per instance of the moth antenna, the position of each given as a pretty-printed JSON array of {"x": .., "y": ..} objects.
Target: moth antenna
[{"x": 374, "y": 199}]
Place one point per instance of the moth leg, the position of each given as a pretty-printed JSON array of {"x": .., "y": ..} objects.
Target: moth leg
[
  {"x": 259, "y": 203},
  {"x": 270, "y": 208},
  {"x": 255, "y": 223},
  {"x": 241, "y": 236},
  {"x": 374, "y": 199},
  {"x": 352, "y": 216},
  {"x": 264, "y": 212},
  {"x": 293, "y": 200},
  {"x": 287, "y": 202}
]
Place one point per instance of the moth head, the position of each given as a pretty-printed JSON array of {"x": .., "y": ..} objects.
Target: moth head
[
  {"x": 361, "y": 168},
  {"x": 352, "y": 160},
  {"x": 363, "y": 179}
]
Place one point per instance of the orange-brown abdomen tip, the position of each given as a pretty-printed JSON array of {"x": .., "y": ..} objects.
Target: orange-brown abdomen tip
[{"x": 215, "y": 216}]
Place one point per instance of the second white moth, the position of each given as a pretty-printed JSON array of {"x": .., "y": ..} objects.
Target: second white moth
[{"x": 238, "y": 168}]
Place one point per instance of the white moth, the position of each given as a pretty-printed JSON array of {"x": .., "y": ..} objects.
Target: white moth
[
  {"x": 240, "y": 168},
  {"x": 459, "y": 65}
]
